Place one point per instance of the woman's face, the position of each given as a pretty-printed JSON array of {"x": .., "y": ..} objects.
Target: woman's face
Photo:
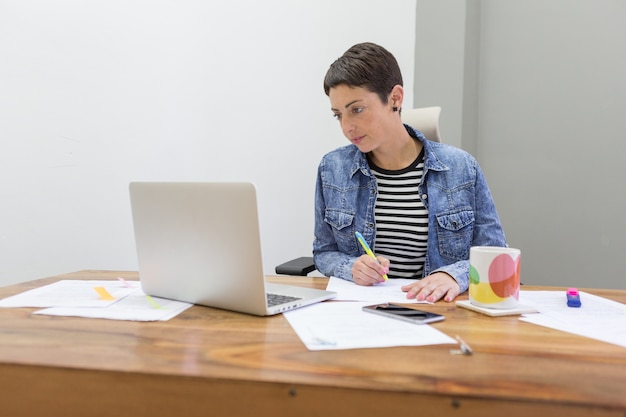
[{"x": 363, "y": 117}]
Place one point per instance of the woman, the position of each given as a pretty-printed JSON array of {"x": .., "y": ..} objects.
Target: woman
[{"x": 420, "y": 205}]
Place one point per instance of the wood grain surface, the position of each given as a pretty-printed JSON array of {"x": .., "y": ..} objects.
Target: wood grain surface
[{"x": 208, "y": 361}]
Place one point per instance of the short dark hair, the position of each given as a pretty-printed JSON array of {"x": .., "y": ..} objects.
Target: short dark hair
[{"x": 365, "y": 65}]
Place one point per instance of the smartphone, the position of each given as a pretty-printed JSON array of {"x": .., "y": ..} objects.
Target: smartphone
[{"x": 404, "y": 313}]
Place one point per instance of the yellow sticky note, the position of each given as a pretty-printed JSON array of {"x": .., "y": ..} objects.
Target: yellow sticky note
[{"x": 103, "y": 293}]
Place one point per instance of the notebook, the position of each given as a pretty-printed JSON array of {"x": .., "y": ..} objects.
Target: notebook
[{"x": 199, "y": 242}]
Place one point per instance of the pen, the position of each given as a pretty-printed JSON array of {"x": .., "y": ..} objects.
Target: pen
[
  {"x": 367, "y": 249},
  {"x": 465, "y": 348}
]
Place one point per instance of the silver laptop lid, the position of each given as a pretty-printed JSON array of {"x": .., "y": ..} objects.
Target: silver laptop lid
[{"x": 200, "y": 243}]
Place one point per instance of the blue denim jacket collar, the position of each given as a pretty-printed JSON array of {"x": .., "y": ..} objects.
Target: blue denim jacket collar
[{"x": 431, "y": 161}]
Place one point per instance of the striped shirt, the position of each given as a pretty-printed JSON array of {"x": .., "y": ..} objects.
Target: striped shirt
[{"x": 401, "y": 219}]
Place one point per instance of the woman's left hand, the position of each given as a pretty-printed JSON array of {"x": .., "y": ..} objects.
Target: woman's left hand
[{"x": 433, "y": 287}]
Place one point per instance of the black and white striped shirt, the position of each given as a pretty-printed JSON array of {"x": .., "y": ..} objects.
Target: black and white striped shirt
[{"x": 401, "y": 219}]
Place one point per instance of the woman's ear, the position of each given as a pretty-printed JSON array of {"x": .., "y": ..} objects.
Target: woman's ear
[{"x": 396, "y": 97}]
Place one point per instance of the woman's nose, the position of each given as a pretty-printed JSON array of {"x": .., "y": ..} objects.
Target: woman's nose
[{"x": 346, "y": 125}]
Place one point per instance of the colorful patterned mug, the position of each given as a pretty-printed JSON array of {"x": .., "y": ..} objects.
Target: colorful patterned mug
[{"x": 494, "y": 276}]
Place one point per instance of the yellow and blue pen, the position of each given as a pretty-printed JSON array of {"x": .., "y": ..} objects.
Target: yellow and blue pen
[{"x": 367, "y": 249}]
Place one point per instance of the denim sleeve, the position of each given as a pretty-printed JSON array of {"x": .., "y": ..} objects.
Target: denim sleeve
[
  {"x": 487, "y": 230},
  {"x": 459, "y": 271},
  {"x": 328, "y": 259}
]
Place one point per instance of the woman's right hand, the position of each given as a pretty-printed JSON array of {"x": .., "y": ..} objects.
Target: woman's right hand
[{"x": 369, "y": 271}]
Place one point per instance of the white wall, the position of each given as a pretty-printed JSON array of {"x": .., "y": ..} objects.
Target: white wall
[
  {"x": 542, "y": 99},
  {"x": 95, "y": 94}
]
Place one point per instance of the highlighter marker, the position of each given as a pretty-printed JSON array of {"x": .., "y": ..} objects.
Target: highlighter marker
[
  {"x": 573, "y": 298},
  {"x": 367, "y": 249}
]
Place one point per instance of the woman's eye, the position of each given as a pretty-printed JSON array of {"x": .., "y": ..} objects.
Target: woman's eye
[{"x": 353, "y": 110}]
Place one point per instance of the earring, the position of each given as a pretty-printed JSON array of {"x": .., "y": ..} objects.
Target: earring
[{"x": 394, "y": 108}]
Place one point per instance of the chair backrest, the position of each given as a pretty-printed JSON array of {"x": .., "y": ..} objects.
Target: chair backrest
[{"x": 424, "y": 119}]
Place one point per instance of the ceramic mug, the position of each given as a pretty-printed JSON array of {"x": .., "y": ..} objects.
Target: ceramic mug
[{"x": 494, "y": 276}]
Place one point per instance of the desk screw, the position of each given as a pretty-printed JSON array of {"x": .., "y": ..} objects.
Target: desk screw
[
  {"x": 293, "y": 392},
  {"x": 456, "y": 403}
]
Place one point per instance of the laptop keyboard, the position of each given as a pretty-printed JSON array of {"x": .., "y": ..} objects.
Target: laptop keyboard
[{"x": 276, "y": 299}]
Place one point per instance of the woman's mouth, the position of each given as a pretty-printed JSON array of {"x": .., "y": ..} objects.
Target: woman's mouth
[{"x": 357, "y": 140}]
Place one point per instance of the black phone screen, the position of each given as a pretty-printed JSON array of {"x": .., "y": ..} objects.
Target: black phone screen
[{"x": 404, "y": 313}]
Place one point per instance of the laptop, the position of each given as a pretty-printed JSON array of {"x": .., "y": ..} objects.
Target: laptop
[{"x": 199, "y": 242}]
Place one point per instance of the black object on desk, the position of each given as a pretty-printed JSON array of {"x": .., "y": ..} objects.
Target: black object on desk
[{"x": 299, "y": 266}]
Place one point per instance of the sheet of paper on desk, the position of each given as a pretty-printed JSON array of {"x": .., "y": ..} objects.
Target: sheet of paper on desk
[
  {"x": 69, "y": 293},
  {"x": 135, "y": 307},
  {"x": 80, "y": 298},
  {"x": 344, "y": 325},
  {"x": 598, "y": 318},
  {"x": 388, "y": 291}
]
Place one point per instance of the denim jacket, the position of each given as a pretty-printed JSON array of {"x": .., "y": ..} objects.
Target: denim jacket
[{"x": 461, "y": 211}]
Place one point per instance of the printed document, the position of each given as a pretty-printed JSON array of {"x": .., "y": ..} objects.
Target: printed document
[
  {"x": 597, "y": 318},
  {"x": 344, "y": 325},
  {"x": 116, "y": 300},
  {"x": 386, "y": 292}
]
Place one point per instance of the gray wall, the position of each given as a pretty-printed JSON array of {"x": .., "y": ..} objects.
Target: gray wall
[
  {"x": 95, "y": 94},
  {"x": 536, "y": 91}
]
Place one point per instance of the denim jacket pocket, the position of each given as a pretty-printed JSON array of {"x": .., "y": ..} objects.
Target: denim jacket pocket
[
  {"x": 454, "y": 232},
  {"x": 340, "y": 221}
]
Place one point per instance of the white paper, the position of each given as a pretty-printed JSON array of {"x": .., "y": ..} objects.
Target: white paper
[
  {"x": 69, "y": 293},
  {"x": 134, "y": 307},
  {"x": 79, "y": 298},
  {"x": 344, "y": 325},
  {"x": 597, "y": 318},
  {"x": 388, "y": 291}
]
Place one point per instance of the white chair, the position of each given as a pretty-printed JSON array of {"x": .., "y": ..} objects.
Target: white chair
[{"x": 424, "y": 119}]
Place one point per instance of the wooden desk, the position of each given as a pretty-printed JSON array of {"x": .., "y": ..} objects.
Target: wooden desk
[{"x": 209, "y": 362}]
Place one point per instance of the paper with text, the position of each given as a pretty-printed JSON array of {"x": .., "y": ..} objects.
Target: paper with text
[
  {"x": 135, "y": 307},
  {"x": 344, "y": 325},
  {"x": 389, "y": 291},
  {"x": 122, "y": 300},
  {"x": 597, "y": 318},
  {"x": 69, "y": 293}
]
